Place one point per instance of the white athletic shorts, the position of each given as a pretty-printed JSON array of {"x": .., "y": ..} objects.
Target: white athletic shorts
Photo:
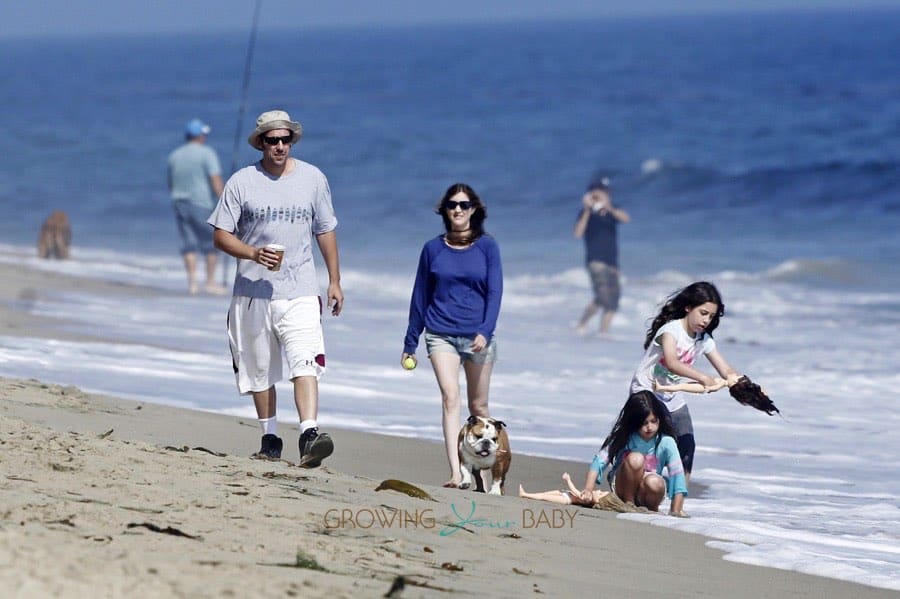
[{"x": 259, "y": 328}]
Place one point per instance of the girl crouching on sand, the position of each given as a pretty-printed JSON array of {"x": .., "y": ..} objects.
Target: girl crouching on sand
[{"x": 642, "y": 444}]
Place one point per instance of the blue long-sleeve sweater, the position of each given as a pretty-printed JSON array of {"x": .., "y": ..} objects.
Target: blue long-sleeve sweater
[{"x": 457, "y": 291}]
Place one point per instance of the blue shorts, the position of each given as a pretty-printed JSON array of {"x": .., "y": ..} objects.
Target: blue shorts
[
  {"x": 196, "y": 233},
  {"x": 459, "y": 345}
]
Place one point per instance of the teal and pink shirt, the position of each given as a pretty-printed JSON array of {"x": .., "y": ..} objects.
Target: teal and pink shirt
[{"x": 660, "y": 453}]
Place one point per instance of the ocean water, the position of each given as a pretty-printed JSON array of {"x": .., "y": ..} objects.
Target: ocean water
[{"x": 755, "y": 151}]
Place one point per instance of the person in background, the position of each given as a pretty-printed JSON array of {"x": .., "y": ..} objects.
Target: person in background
[
  {"x": 195, "y": 183},
  {"x": 456, "y": 301},
  {"x": 597, "y": 223},
  {"x": 276, "y": 305}
]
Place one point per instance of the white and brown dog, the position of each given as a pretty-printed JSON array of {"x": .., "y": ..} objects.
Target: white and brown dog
[
  {"x": 484, "y": 447},
  {"x": 55, "y": 237}
]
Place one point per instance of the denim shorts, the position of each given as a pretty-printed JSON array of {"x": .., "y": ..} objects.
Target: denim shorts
[
  {"x": 196, "y": 233},
  {"x": 459, "y": 345}
]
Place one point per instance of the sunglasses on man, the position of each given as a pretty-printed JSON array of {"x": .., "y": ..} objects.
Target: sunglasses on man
[{"x": 273, "y": 141}]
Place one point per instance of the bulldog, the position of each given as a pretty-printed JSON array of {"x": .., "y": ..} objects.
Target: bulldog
[
  {"x": 55, "y": 237},
  {"x": 484, "y": 447}
]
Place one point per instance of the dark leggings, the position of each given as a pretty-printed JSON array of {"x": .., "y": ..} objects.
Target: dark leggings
[
  {"x": 683, "y": 426},
  {"x": 686, "y": 451}
]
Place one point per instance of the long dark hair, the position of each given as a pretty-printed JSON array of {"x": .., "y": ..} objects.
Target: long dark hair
[
  {"x": 686, "y": 299},
  {"x": 476, "y": 223},
  {"x": 636, "y": 409}
]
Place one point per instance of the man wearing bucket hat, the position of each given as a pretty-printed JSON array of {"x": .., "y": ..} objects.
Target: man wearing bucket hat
[
  {"x": 195, "y": 183},
  {"x": 276, "y": 305}
]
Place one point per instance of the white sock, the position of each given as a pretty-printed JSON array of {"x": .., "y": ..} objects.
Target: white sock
[
  {"x": 305, "y": 425},
  {"x": 269, "y": 425}
]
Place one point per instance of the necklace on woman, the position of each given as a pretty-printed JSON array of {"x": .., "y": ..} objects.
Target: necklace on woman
[{"x": 458, "y": 238}]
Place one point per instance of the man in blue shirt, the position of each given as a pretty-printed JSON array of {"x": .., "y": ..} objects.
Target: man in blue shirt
[{"x": 195, "y": 184}]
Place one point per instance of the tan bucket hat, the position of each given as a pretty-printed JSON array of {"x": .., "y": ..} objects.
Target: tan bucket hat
[{"x": 271, "y": 120}]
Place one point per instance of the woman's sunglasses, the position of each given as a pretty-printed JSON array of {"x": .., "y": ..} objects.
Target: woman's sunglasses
[
  {"x": 451, "y": 205},
  {"x": 273, "y": 141}
]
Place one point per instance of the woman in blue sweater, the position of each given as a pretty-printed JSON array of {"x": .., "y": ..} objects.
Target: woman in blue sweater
[{"x": 456, "y": 302}]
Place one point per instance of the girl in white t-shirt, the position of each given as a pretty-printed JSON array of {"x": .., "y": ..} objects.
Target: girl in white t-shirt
[{"x": 680, "y": 332}]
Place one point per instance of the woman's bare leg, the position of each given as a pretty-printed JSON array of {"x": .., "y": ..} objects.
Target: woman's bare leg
[
  {"x": 478, "y": 386},
  {"x": 446, "y": 371}
]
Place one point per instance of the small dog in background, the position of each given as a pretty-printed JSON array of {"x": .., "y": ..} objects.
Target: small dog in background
[
  {"x": 484, "y": 447},
  {"x": 56, "y": 236}
]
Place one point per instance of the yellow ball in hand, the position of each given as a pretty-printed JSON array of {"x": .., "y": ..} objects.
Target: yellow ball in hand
[{"x": 409, "y": 363}]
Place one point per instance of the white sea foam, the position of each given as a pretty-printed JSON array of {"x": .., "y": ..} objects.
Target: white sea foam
[
  {"x": 651, "y": 165},
  {"x": 807, "y": 492}
]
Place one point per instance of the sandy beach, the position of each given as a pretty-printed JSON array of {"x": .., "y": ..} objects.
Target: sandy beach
[{"x": 107, "y": 497}]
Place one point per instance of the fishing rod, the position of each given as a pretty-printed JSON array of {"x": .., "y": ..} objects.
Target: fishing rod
[{"x": 242, "y": 108}]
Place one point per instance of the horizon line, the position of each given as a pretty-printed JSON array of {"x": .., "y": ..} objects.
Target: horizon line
[{"x": 425, "y": 23}]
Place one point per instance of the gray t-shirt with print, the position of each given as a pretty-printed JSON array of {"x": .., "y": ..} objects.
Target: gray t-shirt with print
[{"x": 291, "y": 210}]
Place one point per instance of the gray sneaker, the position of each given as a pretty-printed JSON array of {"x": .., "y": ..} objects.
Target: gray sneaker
[
  {"x": 314, "y": 447},
  {"x": 270, "y": 449}
]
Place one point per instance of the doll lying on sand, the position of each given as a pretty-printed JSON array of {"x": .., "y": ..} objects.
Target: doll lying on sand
[{"x": 571, "y": 496}]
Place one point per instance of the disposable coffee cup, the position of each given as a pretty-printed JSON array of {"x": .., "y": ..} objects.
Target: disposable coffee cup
[{"x": 278, "y": 249}]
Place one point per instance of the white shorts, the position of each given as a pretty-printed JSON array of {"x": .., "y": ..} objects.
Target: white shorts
[{"x": 259, "y": 328}]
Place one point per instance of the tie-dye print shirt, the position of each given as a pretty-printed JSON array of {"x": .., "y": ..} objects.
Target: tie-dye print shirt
[{"x": 658, "y": 457}]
